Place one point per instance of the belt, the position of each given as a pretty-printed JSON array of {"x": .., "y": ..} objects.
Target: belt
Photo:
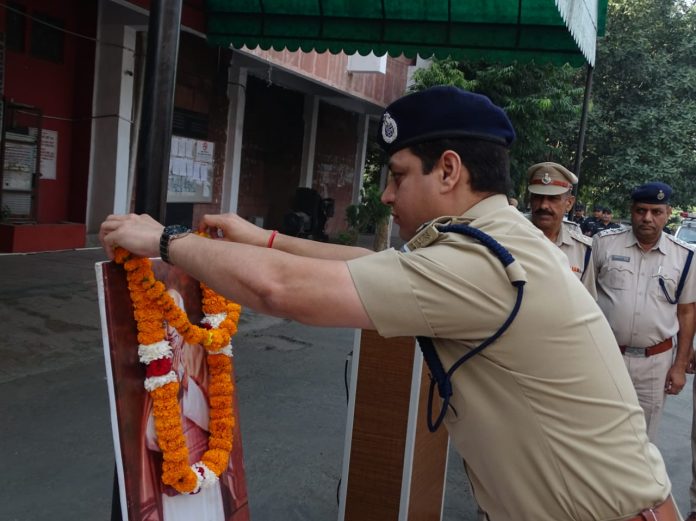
[
  {"x": 665, "y": 511},
  {"x": 663, "y": 346}
]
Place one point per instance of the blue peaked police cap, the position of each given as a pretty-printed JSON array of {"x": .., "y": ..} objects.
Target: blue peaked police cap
[
  {"x": 443, "y": 112},
  {"x": 652, "y": 193}
]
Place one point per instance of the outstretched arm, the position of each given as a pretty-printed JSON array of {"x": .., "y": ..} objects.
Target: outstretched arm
[
  {"x": 312, "y": 291},
  {"x": 236, "y": 229}
]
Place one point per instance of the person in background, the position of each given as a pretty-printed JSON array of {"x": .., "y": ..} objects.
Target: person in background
[
  {"x": 646, "y": 288},
  {"x": 606, "y": 222},
  {"x": 579, "y": 214},
  {"x": 551, "y": 197},
  {"x": 545, "y": 435},
  {"x": 589, "y": 223}
]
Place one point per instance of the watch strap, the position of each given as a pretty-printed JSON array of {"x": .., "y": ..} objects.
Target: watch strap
[{"x": 169, "y": 233}]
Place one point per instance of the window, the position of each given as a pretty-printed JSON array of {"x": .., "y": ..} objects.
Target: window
[
  {"x": 15, "y": 27},
  {"x": 47, "y": 41}
]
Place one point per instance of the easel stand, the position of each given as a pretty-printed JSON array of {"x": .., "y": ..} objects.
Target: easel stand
[{"x": 393, "y": 468}]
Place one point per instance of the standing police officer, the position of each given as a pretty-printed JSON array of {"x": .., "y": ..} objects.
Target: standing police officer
[
  {"x": 605, "y": 223},
  {"x": 545, "y": 435},
  {"x": 590, "y": 222},
  {"x": 646, "y": 289},
  {"x": 550, "y": 186}
]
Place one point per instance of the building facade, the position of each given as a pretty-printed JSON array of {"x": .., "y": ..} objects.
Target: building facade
[{"x": 250, "y": 126}]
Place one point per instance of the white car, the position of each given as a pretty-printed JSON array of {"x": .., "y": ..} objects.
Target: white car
[{"x": 687, "y": 230}]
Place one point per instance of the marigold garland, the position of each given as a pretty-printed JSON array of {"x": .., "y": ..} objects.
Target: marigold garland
[{"x": 152, "y": 306}]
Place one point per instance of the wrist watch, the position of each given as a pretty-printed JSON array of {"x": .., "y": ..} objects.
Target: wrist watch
[{"x": 171, "y": 232}]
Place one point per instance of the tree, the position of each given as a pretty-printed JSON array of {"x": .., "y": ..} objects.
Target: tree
[
  {"x": 543, "y": 102},
  {"x": 642, "y": 125}
]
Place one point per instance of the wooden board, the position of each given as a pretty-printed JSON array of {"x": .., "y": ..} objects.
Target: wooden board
[{"x": 394, "y": 468}]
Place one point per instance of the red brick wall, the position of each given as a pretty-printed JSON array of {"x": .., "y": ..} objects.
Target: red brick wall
[
  {"x": 334, "y": 161},
  {"x": 271, "y": 151},
  {"x": 201, "y": 86},
  {"x": 330, "y": 69}
]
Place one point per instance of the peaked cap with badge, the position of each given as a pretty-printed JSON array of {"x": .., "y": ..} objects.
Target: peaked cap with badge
[
  {"x": 550, "y": 179},
  {"x": 652, "y": 193},
  {"x": 443, "y": 112}
]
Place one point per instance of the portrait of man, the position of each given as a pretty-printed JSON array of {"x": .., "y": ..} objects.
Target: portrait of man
[{"x": 148, "y": 499}]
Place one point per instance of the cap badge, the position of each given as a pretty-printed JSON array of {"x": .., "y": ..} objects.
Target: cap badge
[
  {"x": 546, "y": 179},
  {"x": 389, "y": 130},
  {"x": 660, "y": 195}
]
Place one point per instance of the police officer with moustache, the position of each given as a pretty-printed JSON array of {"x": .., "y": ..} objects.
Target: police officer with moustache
[
  {"x": 545, "y": 436},
  {"x": 550, "y": 186},
  {"x": 646, "y": 287}
]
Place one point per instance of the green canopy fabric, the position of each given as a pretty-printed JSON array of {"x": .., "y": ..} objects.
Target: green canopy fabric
[{"x": 556, "y": 31}]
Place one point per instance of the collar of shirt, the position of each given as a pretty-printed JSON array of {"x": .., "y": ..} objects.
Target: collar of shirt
[
  {"x": 659, "y": 246},
  {"x": 563, "y": 236},
  {"x": 485, "y": 206}
]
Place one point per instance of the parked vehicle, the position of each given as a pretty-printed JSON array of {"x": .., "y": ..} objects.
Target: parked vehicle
[{"x": 687, "y": 229}]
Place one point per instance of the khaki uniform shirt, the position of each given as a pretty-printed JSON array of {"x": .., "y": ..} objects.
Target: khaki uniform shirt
[
  {"x": 547, "y": 418},
  {"x": 628, "y": 289},
  {"x": 575, "y": 245}
]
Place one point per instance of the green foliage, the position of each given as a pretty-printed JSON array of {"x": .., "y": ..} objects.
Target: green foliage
[
  {"x": 543, "y": 102},
  {"x": 364, "y": 216},
  {"x": 642, "y": 125}
]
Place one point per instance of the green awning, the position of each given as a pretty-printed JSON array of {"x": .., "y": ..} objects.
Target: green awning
[{"x": 558, "y": 31}]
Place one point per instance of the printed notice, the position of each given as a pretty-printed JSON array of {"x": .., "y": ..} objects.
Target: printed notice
[{"x": 49, "y": 154}]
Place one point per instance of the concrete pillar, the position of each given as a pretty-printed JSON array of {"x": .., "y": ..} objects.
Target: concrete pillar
[
  {"x": 360, "y": 155},
  {"x": 236, "y": 91},
  {"x": 311, "y": 114},
  {"x": 107, "y": 191}
]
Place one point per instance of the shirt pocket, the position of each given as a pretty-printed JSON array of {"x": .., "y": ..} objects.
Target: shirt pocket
[
  {"x": 617, "y": 276},
  {"x": 671, "y": 280}
]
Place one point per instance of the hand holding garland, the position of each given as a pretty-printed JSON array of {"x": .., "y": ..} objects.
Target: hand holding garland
[
  {"x": 236, "y": 229},
  {"x": 302, "y": 286}
]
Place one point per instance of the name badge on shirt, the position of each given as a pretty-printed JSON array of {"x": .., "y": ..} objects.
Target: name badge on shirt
[{"x": 621, "y": 258}]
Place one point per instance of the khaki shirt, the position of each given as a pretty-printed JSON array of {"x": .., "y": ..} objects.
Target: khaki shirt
[
  {"x": 547, "y": 419},
  {"x": 628, "y": 289},
  {"x": 575, "y": 245}
]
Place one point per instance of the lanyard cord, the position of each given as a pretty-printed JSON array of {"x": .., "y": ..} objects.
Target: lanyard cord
[
  {"x": 438, "y": 375},
  {"x": 682, "y": 279}
]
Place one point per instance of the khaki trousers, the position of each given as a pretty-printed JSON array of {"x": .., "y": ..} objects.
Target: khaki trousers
[{"x": 648, "y": 376}]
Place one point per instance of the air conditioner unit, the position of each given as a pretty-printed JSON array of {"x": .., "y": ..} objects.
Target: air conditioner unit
[{"x": 369, "y": 63}]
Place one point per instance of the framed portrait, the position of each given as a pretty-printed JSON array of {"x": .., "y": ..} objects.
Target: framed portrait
[{"x": 143, "y": 496}]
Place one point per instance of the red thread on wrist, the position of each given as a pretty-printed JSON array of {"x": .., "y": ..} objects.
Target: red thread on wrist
[{"x": 272, "y": 238}]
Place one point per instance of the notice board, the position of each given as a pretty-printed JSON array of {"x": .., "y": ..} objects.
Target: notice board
[{"x": 190, "y": 171}]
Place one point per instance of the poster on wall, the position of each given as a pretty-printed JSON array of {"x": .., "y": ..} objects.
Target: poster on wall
[
  {"x": 49, "y": 153},
  {"x": 139, "y": 457},
  {"x": 190, "y": 171},
  {"x": 20, "y": 162}
]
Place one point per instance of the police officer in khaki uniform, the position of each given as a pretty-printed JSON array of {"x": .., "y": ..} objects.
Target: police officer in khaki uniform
[
  {"x": 550, "y": 186},
  {"x": 545, "y": 435},
  {"x": 646, "y": 287}
]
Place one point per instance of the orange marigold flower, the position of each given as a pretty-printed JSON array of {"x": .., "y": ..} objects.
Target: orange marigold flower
[{"x": 151, "y": 307}]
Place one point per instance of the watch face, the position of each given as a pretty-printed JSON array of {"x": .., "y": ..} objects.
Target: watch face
[{"x": 175, "y": 229}]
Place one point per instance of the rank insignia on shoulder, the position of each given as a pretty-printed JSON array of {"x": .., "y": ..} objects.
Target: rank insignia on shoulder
[{"x": 611, "y": 231}]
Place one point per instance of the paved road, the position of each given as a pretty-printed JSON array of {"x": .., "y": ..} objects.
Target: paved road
[{"x": 56, "y": 452}]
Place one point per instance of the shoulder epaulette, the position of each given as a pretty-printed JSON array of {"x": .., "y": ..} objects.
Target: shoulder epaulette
[
  {"x": 611, "y": 231},
  {"x": 575, "y": 232},
  {"x": 681, "y": 243}
]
